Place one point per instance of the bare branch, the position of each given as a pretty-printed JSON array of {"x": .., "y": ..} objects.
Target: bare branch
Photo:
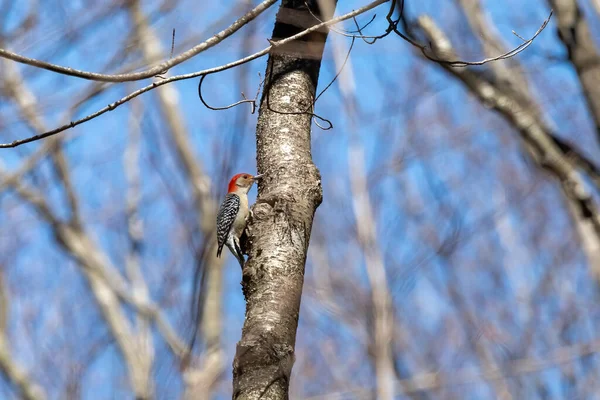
[
  {"x": 142, "y": 337},
  {"x": 200, "y": 379},
  {"x": 511, "y": 73},
  {"x": 15, "y": 373},
  {"x": 537, "y": 138},
  {"x": 159, "y": 69},
  {"x": 469, "y": 376},
  {"x": 273, "y": 45},
  {"x": 574, "y": 32},
  {"x": 425, "y": 50},
  {"x": 381, "y": 300},
  {"x": 596, "y": 4},
  {"x": 511, "y": 53},
  {"x": 176, "y": 78}
]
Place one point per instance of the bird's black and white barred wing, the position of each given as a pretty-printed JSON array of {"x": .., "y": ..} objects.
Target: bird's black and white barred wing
[{"x": 227, "y": 213}]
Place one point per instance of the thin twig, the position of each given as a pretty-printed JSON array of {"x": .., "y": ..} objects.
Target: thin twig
[
  {"x": 160, "y": 75},
  {"x": 237, "y": 103},
  {"x": 460, "y": 63},
  {"x": 351, "y": 34},
  {"x": 310, "y": 110},
  {"x": 172, "y": 44}
]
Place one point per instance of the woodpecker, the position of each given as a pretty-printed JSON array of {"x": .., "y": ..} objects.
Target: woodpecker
[{"x": 231, "y": 220}]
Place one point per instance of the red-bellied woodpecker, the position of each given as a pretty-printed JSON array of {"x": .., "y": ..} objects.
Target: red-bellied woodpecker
[{"x": 231, "y": 220}]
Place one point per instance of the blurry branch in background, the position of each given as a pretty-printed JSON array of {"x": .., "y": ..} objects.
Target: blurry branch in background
[
  {"x": 71, "y": 235},
  {"x": 574, "y": 32},
  {"x": 509, "y": 72},
  {"x": 326, "y": 281},
  {"x": 596, "y": 4},
  {"x": 104, "y": 281},
  {"x": 556, "y": 357},
  {"x": 142, "y": 336},
  {"x": 107, "y": 285},
  {"x": 274, "y": 44},
  {"x": 548, "y": 152},
  {"x": 198, "y": 381},
  {"x": 157, "y": 70},
  {"x": 500, "y": 385},
  {"x": 468, "y": 376},
  {"x": 29, "y": 164},
  {"x": 381, "y": 301},
  {"x": 28, "y": 389},
  {"x": 383, "y": 313},
  {"x": 470, "y": 316}
]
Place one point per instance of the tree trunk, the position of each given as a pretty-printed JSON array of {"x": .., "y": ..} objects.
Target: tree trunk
[{"x": 288, "y": 195}]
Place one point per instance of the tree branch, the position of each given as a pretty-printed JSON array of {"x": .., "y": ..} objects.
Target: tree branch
[
  {"x": 381, "y": 333},
  {"x": 159, "y": 69},
  {"x": 106, "y": 283},
  {"x": 469, "y": 376},
  {"x": 574, "y": 32},
  {"x": 508, "y": 72},
  {"x": 538, "y": 138},
  {"x": 154, "y": 85},
  {"x": 15, "y": 373}
]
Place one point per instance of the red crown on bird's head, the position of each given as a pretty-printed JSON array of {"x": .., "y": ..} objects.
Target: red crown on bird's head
[
  {"x": 232, "y": 187},
  {"x": 233, "y": 182}
]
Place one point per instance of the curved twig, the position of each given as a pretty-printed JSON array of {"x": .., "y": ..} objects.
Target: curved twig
[
  {"x": 310, "y": 110},
  {"x": 342, "y": 32},
  {"x": 460, "y": 63},
  {"x": 237, "y": 103},
  {"x": 393, "y": 27},
  {"x": 339, "y": 72}
]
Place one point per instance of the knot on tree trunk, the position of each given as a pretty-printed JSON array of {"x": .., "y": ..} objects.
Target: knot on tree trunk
[{"x": 274, "y": 358}]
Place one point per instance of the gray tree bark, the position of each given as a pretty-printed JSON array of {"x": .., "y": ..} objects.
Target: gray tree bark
[{"x": 288, "y": 196}]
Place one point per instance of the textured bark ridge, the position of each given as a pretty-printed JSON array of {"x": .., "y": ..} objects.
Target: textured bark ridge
[{"x": 288, "y": 195}]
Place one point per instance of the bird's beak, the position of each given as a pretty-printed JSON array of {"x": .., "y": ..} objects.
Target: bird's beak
[{"x": 257, "y": 177}]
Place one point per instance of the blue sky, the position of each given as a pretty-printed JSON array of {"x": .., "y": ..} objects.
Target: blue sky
[{"x": 456, "y": 160}]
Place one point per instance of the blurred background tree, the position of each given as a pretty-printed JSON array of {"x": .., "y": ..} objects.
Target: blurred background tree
[{"x": 456, "y": 253}]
